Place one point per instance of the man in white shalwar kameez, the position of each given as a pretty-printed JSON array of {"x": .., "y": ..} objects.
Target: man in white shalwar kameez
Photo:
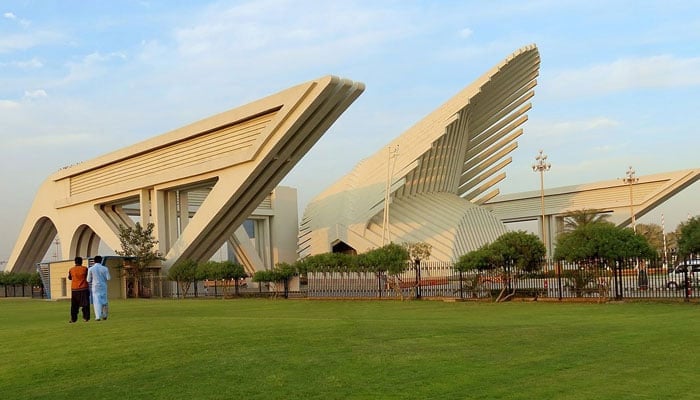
[{"x": 97, "y": 277}]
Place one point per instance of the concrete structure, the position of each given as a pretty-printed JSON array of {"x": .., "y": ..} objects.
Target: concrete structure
[
  {"x": 611, "y": 197},
  {"x": 428, "y": 184},
  {"x": 232, "y": 161}
]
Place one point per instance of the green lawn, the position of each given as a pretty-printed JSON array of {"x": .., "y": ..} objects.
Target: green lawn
[{"x": 298, "y": 349}]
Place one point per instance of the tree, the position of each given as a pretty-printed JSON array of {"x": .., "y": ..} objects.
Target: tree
[
  {"x": 184, "y": 272},
  {"x": 138, "y": 243},
  {"x": 517, "y": 250},
  {"x": 327, "y": 262},
  {"x": 602, "y": 241},
  {"x": 392, "y": 259},
  {"x": 689, "y": 239},
  {"x": 520, "y": 249},
  {"x": 211, "y": 270},
  {"x": 474, "y": 263},
  {"x": 583, "y": 217},
  {"x": 264, "y": 276},
  {"x": 418, "y": 251},
  {"x": 477, "y": 260},
  {"x": 282, "y": 272},
  {"x": 231, "y": 271},
  {"x": 654, "y": 235},
  {"x": 597, "y": 246}
]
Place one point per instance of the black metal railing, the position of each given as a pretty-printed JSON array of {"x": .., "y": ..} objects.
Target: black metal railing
[{"x": 624, "y": 279}]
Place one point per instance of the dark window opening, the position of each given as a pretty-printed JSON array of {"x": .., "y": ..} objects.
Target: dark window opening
[{"x": 342, "y": 247}]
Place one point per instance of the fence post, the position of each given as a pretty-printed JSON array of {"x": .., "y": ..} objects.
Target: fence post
[
  {"x": 559, "y": 287},
  {"x": 687, "y": 283},
  {"x": 417, "y": 266},
  {"x": 618, "y": 279},
  {"x": 461, "y": 288}
]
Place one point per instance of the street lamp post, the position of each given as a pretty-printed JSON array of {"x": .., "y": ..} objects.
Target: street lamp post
[
  {"x": 663, "y": 232},
  {"x": 541, "y": 165},
  {"x": 630, "y": 179},
  {"x": 386, "y": 227}
]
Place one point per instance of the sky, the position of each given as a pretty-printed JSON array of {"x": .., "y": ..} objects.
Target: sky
[{"x": 619, "y": 81}]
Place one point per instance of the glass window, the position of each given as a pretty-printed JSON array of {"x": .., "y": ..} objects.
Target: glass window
[{"x": 249, "y": 226}]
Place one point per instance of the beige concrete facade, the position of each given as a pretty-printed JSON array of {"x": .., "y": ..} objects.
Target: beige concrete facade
[
  {"x": 427, "y": 184},
  {"x": 229, "y": 164}
]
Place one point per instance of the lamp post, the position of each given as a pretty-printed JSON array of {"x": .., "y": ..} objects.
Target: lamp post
[
  {"x": 630, "y": 179},
  {"x": 663, "y": 232},
  {"x": 386, "y": 232},
  {"x": 541, "y": 165}
]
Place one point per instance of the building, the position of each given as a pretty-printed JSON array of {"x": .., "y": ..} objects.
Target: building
[
  {"x": 429, "y": 184},
  {"x": 618, "y": 199},
  {"x": 198, "y": 185}
]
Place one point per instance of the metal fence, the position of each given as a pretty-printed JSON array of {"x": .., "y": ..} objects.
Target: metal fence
[
  {"x": 21, "y": 291},
  {"x": 595, "y": 281},
  {"x": 629, "y": 279}
]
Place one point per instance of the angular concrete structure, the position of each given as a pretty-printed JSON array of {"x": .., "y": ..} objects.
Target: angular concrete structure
[
  {"x": 611, "y": 197},
  {"x": 230, "y": 163},
  {"x": 427, "y": 185}
]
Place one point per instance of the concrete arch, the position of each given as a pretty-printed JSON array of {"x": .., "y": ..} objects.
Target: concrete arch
[
  {"x": 85, "y": 242},
  {"x": 39, "y": 240}
]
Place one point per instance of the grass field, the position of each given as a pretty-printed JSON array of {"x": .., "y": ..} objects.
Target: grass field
[{"x": 298, "y": 349}]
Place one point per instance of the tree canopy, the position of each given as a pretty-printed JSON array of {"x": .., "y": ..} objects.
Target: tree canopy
[
  {"x": 184, "y": 272},
  {"x": 603, "y": 241},
  {"x": 583, "y": 217},
  {"x": 138, "y": 243},
  {"x": 519, "y": 249},
  {"x": 689, "y": 240}
]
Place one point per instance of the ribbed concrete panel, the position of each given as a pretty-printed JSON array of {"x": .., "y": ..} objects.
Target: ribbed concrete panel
[
  {"x": 456, "y": 152},
  {"x": 452, "y": 225},
  {"x": 612, "y": 196},
  {"x": 223, "y": 167},
  {"x": 234, "y": 141}
]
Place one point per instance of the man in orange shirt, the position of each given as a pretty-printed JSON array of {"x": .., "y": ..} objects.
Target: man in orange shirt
[{"x": 80, "y": 291}]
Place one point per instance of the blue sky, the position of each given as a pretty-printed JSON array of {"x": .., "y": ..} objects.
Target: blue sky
[{"x": 619, "y": 82}]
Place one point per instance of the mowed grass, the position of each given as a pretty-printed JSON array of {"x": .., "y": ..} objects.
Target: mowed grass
[{"x": 300, "y": 349}]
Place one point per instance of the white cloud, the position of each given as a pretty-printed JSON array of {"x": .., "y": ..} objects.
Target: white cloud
[
  {"x": 24, "y": 41},
  {"x": 91, "y": 66},
  {"x": 274, "y": 28},
  {"x": 627, "y": 74},
  {"x": 465, "y": 33},
  {"x": 11, "y": 16},
  {"x": 35, "y": 94},
  {"x": 28, "y": 64}
]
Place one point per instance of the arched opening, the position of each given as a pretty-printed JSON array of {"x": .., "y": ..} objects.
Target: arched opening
[{"x": 344, "y": 248}]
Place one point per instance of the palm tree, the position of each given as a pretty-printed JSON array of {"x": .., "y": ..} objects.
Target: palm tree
[
  {"x": 583, "y": 217},
  {"x": 654, "y": 235}
]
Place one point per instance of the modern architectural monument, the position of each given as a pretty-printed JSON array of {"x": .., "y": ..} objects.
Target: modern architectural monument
[
  {"x": 197, "y": 184},
  {"x": 428, "y": 184},
  {"x": 623, "y": 201}
]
